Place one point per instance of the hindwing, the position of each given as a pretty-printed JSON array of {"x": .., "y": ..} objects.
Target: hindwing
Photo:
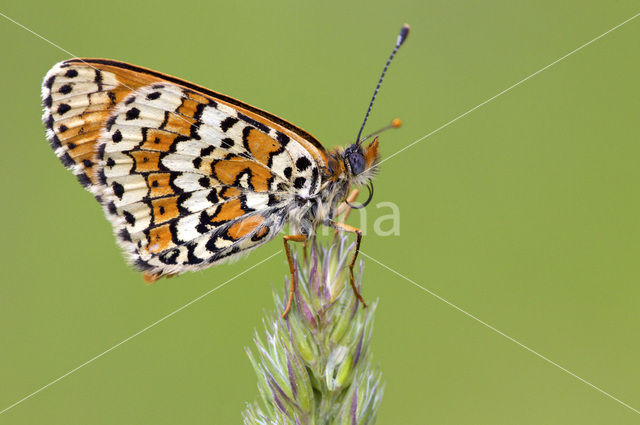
[{"x": 188, "y": 177}]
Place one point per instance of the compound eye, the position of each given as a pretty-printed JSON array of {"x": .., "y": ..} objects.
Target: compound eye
[{"x": 356, "y": 162}]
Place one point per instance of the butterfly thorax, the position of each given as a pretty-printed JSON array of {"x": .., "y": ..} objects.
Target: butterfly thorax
[
  {"x": 309, "y": 213},
  {"x": 345, "y": 168}
]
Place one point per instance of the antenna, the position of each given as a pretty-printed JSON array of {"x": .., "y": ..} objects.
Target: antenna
[
  {"x": 395, "y": 123},
  {"x": 404, "y": 32}
]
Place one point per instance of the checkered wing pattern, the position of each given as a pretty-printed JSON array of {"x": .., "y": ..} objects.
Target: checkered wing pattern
[{"x": 188, "y": 177}]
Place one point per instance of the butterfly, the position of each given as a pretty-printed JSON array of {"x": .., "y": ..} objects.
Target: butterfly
[{"x": 189, "y": 177}]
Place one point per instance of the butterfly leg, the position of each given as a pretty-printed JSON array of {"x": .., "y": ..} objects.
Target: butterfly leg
[
  {"x": 304, "y": 249},
  {"x": 346, "y": 209},
  {"x": 350, "y": 199},
  {"x": 292, "y": 288},
  {"x": 350, "y": 229}
]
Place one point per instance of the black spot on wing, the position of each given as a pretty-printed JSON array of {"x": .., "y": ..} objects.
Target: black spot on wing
[
  {"x": 118, "y": 189},
  {"x": 303, "y": 163},
  {"x": 299, "y": 182},
  {"x": 116, "y": 136},
  {"x": 227, "y": 143},
  {"x": 207, "y": 151},
  {"x": 129, "y": 217},
  {"x": 227, "y": 123},
  {"x": 204, "y": 181},
  {"x": 282, "y": 138},
  {"x": 213, "y": 196},
  {"x": 132, "y": 114},
  {"x": 65, "y": 89},
  {"x": 63, "y": 108}
]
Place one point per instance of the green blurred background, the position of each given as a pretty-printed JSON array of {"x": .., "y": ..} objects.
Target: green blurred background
[{"x": 524, "y": 213}]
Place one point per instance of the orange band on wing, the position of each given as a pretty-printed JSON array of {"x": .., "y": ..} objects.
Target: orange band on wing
[
  {"x": 262, "y": 146},
  {"x": 245, "y": 226}
]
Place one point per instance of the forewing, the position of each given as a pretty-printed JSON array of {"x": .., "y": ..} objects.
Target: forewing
[{"x": 186, "y": 178}]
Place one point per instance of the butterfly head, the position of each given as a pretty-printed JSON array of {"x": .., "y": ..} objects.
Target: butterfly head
[
  {"x": 356, "y": 165},
  {"x": 360, "y": 162}
]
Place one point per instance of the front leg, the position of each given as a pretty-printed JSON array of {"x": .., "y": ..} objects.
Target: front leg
[
  {"x": 350, "y": 229},
  {"x": 345, "y": 209},
  {"x": 292, "y": 287}
]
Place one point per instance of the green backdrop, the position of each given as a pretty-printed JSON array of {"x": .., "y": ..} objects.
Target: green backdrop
[{"x": 524, "y": 212}]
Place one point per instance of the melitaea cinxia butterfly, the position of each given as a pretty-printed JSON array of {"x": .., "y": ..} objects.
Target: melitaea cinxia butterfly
[{"x": 190, "y": 177}]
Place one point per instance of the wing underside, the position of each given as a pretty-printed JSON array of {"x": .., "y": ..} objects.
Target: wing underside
[{"x": 187, "y": 177}]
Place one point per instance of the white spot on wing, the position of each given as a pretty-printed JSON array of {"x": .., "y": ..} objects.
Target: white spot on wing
[
  {"x": 187, "y": 227},
  {"x": 197, "y": 201},
  {"x": 257, "y": 201}
]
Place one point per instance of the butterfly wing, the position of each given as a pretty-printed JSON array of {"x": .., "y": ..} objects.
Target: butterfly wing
[{"x": 188, "y": 177}]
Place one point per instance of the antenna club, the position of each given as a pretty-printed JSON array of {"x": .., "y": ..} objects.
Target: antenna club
[
  {"x": 396, "y": 123},
  {"x": 404, "y": 33}
]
